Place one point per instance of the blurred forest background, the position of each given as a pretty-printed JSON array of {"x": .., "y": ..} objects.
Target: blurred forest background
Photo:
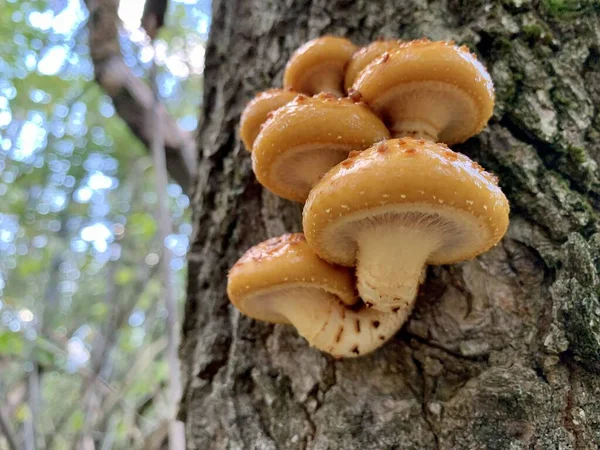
[{"x": 82, "y": 318}]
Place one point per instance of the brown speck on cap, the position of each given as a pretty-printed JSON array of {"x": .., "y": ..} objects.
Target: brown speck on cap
[
  {"x": 410, "y": 151},
  {"x": 347, "y": 163},
  {"x": 326, "y": 96},
  {"x": 353, "y": 154},
  {"x": 357, "y": 326},
  {"x": 395, "y": 310},
  {"x": 300, "y": 98},
  {"x": 382, "y": 147},
  {"x": 338, "y": 336},
  {"x": 355, "y": 95},
  {"x": 451, "y": 155},
  {"x": 385, "y": 58},
  {"x": 382, "y": 338},
  {"x": 355, "y": 350},
  {"x": 376, "y": 324}
]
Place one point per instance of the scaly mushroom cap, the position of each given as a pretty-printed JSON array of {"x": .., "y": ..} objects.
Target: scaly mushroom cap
[
  {"x": 282, "y": 280},
  {"x": 257, "y": 112},
  {"x": 400, "y": 205},
  {"x": 404, "y": 179},
  {"x": 363, "y": 57},
  {"x": 318, "y": 66},
  {"x": 307, "y": 137},
  {"x": 284, "y": 262},
  {"x": 429, "y": 89}
]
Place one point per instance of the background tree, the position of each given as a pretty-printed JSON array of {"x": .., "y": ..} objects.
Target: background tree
[
  {"x": 501, "y": 352},
  {"x": 83, "y": 337}
]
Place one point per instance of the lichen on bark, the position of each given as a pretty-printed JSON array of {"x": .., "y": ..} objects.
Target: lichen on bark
[{"x": 502, "y": 352}]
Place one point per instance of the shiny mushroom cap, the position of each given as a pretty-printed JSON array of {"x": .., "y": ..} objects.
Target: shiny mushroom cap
[
  {"x": 257, "y": 112},
  {"x": 434, "y": 90},
  {"x": 307, "y": 137},
  {"x": 400, "y": 205},
  {"x": 363, "y": 57},
  {"x": 281, "y": 280},
  {"x": 318, "y": 66}
]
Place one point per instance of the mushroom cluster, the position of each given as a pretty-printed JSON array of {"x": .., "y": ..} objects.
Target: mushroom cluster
[{"x": 361, "y": 136}]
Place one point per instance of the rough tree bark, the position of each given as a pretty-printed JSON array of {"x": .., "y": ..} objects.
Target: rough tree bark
[{"x": 502, "y": 352}]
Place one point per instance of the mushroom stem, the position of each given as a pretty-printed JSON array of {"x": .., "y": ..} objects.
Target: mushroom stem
[
  {"x": 328, "y": 325},
  {"x": 328, "y": 81},
  {"x": 415, "y": 130},
  {"x": 390, "y": 266}
]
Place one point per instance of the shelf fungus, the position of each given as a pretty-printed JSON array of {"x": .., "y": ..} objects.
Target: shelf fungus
[
  {"x": 319, "y": 66},
  {"x": 258, "y": 110},
  {"x": 398, "y": 206},
  {"x": 305, "y": 138},
  {"x": 433, "y": 90},
  {"x": 283, "y": 281}
]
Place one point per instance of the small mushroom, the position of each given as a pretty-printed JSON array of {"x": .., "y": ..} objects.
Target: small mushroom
[
  {"x": 433, "y": 90},
  {"x": 257, "y": 112},
  {"x": 400, "y": 205},
  {"x": 307, "y": 137},
  {"x": 363, "y": 57},
  {"x": 282, "y": 281},
  {"x": 318, "y": 66}
]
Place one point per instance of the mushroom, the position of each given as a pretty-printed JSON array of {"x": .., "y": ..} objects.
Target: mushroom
[
  {"x": 318, "y": 66},
  {"x": 433, "y": 90},
  {"x": 363, "y": 57},
  {"x": 257, "y": 112},
  {"x": 282, "y": 281},
  {"x": 398, "y": 206},
  {"x": 307, "y": 137}
]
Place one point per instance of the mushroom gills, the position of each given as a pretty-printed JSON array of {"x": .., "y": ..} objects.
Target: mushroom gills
[
  {"x": 426, "y": 110},
  {"x": 392, "y": 246},
  {"x": 299, "y": 169},
  {"x": 324, "y": 322}
]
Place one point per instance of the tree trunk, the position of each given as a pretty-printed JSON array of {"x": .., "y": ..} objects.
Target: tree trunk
[{"x": 502, "y": 352}]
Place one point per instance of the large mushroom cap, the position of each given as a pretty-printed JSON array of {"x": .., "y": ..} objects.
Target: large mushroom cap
[
  {"x": 284, "y": 262},
  {"x": 318, "y": 66},
  {"x": 257, "y": 111},
  {"x": 282, "y": 280},
  {"x": 432, "y": 89},
  {"x": 398, "y": 206},
  {"x": 363, "y": 57},
  {"x": 412, "y": 183},
  {"x": 306, "y": 138}
]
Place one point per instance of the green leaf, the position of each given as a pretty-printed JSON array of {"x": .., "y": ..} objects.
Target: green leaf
[
  {"x": 22, "y": 413},
  {"x": 124, "y": 276},
  {"x": 142, "y": 224},
  {"x": 11, "y": 343},
  {"x": 76, "y": 421}
]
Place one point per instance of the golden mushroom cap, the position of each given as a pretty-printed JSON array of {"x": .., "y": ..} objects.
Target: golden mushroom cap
[
  {"x": 319, "y": 65},
  {"x": 285, "y": 261},
  {"x": 364, "y": 56},
  {"x": 257, "y": 112},
  {"x": 434, "y": 82},
  {"x": 307, "y": 137},
  {"x": 410, "y": 183}
]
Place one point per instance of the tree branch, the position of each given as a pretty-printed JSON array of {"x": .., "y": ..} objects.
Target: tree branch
[
  {"x": 131, "y": 96},
  {"x": 6, "y": 431},
  {"x": 176, "y": 430}
]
